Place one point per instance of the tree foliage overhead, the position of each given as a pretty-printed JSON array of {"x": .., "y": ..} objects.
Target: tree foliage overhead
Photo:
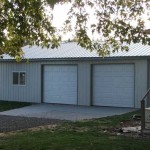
[
  {"x": 24, "y": 21},
  {"x": 116, "y": 22}
]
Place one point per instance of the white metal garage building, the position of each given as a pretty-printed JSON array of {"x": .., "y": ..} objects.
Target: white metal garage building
[{"x": 73, "y": 75}]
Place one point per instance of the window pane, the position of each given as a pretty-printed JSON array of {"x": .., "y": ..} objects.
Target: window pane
[
  {"x": 22, "y": 78},
  {"x": 15, "y": 77}
]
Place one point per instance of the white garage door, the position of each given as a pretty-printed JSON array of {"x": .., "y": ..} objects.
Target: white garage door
[
  {"x": 113, "y": 85},
  {"x": 60, "y": 84}
]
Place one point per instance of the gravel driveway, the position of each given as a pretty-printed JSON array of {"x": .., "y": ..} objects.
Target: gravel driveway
[{"x": 13, "y": 123}]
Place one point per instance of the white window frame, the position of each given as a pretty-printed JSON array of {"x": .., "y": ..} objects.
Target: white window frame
[{"x": 19, "y": 78}]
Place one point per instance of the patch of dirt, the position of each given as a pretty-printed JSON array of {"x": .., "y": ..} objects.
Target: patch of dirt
[
  {"x": 130, "y": 123},
  {"x": 51, "y": 126},
  {"x": 122, "y": 129}
]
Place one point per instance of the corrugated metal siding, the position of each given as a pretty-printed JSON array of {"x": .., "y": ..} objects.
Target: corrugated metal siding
[
  {"x": 84, "y": 84},
  {"x": 141, "y": 81},
  {"x": 148, "y": 74},
  {"x": 30, "y": 92}
]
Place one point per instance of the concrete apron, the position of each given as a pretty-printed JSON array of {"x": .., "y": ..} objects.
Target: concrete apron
[{"x": 66, "y": 112}]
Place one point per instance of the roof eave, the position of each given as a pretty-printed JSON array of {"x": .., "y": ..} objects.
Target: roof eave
[{"x": 78, "y": 59}]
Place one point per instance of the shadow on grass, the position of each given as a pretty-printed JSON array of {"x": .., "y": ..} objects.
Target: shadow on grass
[{"x": 7, "y": 105}]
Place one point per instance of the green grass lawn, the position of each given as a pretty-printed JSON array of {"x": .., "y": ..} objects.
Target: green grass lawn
[
  {"x": 81, "y": 135},
  {"x": 5, "y": 105},
  {"x": 69, "y": 140}
]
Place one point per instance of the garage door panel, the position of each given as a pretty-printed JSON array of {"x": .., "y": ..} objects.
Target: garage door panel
[
  {"x": 60, "y": 84},
  {"x": 113, "y": 85}
]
